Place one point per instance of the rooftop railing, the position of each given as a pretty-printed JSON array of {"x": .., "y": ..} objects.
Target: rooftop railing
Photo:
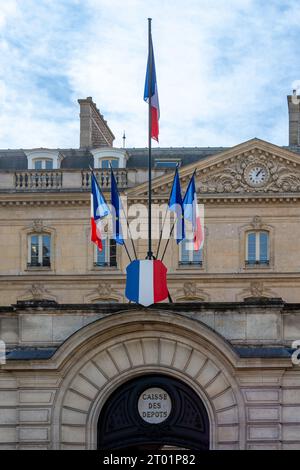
[
  {"x": 38, "y": 180},
  {"x": 65, "y": 179}
]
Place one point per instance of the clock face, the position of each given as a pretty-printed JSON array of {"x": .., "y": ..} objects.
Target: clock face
[{"x": 257, "y": 175}]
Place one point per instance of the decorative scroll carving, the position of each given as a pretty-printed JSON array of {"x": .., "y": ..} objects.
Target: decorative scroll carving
[
  {"x": 37, "y": 292},
  {"x": 256, "y": 222},
  {"x": 283, "y": 176},
  {"x": 256, "y": 290},
  {"x": 38, "y": 225},
  {"x": 103, "y": 292},
  {"x": 190, "y": 291}
]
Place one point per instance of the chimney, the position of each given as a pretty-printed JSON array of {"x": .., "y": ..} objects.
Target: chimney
[
  {"x": 94, "y": 131},
  {"x": 294, "y": 118}
]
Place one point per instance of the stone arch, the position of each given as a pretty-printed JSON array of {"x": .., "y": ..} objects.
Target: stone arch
[{"x": 123, "y": 346}]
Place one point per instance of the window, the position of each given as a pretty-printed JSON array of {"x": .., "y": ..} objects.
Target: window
[
  {"x": 166, "y": 164},
  {"x": 106, "y": 162},
  {"x": 108, "y": 255},
  {"x": 257, "y": 249},
  {"x": 39, "y": 249},
  {"x": 187, "y": 255},
  {"x": 43, "y": 164}
]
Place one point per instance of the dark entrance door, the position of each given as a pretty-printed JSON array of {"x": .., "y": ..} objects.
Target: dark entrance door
[{"x": 153, "y": 412}]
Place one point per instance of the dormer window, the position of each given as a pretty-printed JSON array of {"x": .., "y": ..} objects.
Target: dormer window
[
  {"x": 43, "y": 164},
  {"x": 43, "y": 159},
  {"x": 106, "y": 156}
]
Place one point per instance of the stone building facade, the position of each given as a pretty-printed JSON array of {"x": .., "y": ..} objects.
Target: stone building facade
[{"x": 221, "y": 355}]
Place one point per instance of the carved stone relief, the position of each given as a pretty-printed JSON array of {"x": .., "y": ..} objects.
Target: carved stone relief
[
  {"x": 190, "y": 291},
  {"x": 37, "y": 291},
  {"x": 232, "y": 175}
]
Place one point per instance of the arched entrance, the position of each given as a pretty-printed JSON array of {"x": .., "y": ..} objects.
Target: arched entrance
[{"x": 151, "y": 412}]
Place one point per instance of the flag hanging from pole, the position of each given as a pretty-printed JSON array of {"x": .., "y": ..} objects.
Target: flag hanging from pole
[
  {"x": 99, "y": 210},
  {"x": 191, "y": 212},
  {"x": 175, "y": 205},
  {"x": 117, "y": 205},
  {"x": 153, "y": 93}
]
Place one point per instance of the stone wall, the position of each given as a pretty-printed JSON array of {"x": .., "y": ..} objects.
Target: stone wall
[{"x": 253, "y": 400}]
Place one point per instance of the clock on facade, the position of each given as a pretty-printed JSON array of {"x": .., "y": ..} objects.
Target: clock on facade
[{"x": 256, "y": 175}]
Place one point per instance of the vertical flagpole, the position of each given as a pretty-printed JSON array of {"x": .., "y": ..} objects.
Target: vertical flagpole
[{"x": 150, "y": 56}]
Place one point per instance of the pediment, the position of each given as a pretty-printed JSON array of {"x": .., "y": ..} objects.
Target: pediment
[{"x": 255, "y": 167}]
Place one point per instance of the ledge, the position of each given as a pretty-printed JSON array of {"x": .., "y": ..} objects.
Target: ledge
[
  {"x": 47, "y": 305},
  {"x": 28, "y": 354}
]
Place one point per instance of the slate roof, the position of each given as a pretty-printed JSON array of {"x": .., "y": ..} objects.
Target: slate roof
[
  {"x": 16, "y": 159},
  {"x": 138, "y": 157}
]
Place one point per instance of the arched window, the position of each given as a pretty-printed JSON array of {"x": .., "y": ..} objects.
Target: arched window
[
  {"x": 108, "y": 255},
  {"x": 187, "y": 255},
  {"x": 43, "y": 159},
  {"x": 105, "y": 156},
  {"x": 39, "y": 250},
  {"x": 257, "y": 248}
]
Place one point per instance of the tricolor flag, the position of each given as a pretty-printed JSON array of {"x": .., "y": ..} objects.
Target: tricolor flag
[
  {"x": 153, "y": 94},
  {"x": 175, "y": 205},
  {"x": 191, "y": 212},
  {"x": 99, "y": 209},
  {"x": 146, "y": 282},
  {"x": 117, "y": 205}
]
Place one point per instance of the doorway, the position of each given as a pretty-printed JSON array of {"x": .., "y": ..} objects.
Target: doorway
[{"x": 151, "y": 413}]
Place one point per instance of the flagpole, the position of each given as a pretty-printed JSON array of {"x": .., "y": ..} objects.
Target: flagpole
[
  {"x": 150, "y": 253},
  {"x": 164, "y": 221},
  {"x": 128, "y": 227},
  {"x": 130, "y": 259}
]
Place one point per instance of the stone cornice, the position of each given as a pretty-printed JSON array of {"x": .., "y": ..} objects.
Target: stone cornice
[
  {"x": 209, "y": 198},
  {"x": 85, "y": 279}
]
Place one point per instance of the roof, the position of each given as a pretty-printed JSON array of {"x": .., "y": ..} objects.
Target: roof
[{"x": 15, "y": 159}]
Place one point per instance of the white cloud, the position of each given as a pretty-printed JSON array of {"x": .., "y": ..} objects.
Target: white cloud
[{"x": 223, "y": 69}]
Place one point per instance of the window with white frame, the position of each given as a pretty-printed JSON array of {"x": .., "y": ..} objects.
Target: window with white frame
[
  {"x": 257, "y": 248},
  {"x": 108, "y": 255},
  {"x": 39, "y": 250},
  {"x": 166, "y": 163},
  {"x": 106, "y": 162},
  {"x": 43, "y": 164},
  {"x": 187, "y": 255}
]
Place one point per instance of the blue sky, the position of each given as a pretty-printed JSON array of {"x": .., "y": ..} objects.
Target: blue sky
[{"x": 224, "y": 68}]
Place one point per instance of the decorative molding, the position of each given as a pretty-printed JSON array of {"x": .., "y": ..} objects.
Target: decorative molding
[
  {"x": 256, "y": 289},
  {"x": 226, "y": 172},
  {"x": 37, "y": 291},
  {"x": 256, "y": 222},
  {"x": 38, "y": 225},
  {"x": 191, "y": 292},
  {"x": 283, "y": 175},
  {"x": 104, "y": 292}
]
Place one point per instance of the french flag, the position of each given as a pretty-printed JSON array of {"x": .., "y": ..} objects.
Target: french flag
[
  {"x": 146, "y": 282},
  {"x": 99, "y": 209},
  {"x": 192, "y": 213},
  {"x": 153, "y": 93}
]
